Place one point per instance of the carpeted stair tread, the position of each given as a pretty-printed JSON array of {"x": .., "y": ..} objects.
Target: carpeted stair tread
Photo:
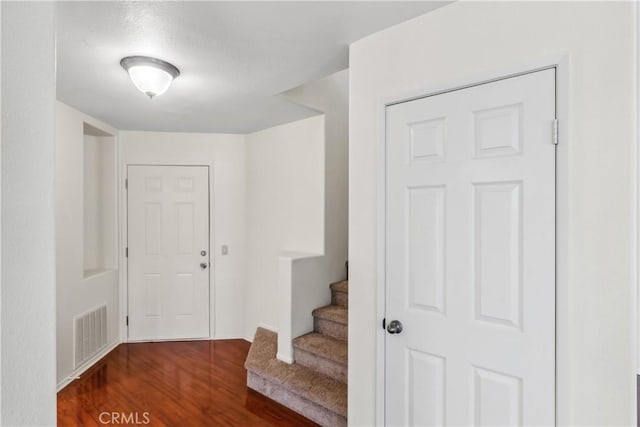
[
  {"x": 323, "y": 346},
  {"x": 332, "y": 313},
  {"x": 311, "y": 385},
  {"x": 342, "y": 286}
]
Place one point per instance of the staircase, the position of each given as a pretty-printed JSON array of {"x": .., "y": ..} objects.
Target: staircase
[{"x": 316, "y": 384}]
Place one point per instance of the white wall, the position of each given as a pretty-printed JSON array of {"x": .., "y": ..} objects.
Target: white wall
[
  {"x": 226, "y": 156},
  {"x": 452, "y": 45},
  {"x": 285, "y": 209},
  {"x": 77, "y": 294},
  {"x": 28, "y": 261},
  {"x": 330, "y": 96}
]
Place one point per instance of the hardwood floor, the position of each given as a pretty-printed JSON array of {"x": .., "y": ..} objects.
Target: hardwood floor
[{"x": 197, "y": 383}]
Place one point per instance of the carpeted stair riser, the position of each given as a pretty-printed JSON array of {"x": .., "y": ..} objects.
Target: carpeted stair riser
[
  {"x": 327, "y": 367},
  {"x": 340, "y": 294},
  {"x": 332, "y": 321},
  {"x": 340, "y": 299},
  {"x": 328, "y": 327},
  {"x": 282, "y": 395}
]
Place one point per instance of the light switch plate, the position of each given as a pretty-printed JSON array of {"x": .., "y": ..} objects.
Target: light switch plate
[{"x": 225, "y": 250}]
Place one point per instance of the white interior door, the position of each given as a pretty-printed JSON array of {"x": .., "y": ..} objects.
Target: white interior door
[
  {"x": 470, "y": 256},
  {"x": 168, "y": 241}
]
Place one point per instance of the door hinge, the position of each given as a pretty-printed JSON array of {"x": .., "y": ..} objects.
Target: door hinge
[
  {"x": 384, "y": 323},
  {"x": 126, "y": 184},
  {"x": 127, "y": 321},
  {"x": 555, "y": 132},
  {"x": 126, "y": 252}
]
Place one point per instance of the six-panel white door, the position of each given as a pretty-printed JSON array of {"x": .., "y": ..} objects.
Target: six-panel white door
[
  {"x": 470, "y": 256},
  {"x": 168, "y": 241}
]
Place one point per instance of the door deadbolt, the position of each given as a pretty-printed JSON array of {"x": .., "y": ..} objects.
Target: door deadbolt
[{"x": 203, "y": 253}]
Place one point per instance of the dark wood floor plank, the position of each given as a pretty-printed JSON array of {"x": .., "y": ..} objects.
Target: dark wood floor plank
[{"x": 176, "y": 384}]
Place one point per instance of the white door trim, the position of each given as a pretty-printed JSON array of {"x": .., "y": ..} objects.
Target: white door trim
[
  {"x": 635, "y": 208},
  {"x": 561, "y": 64},
  {"x": 124, "y": 264}
]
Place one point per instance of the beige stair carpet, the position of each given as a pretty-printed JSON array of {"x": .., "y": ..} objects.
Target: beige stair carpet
[
  {"x": 326, "y": 395},
  {"x": 316, "y": 384}
]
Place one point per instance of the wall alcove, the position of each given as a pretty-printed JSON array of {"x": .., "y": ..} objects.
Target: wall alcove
[{"x": 99, "y": 199}]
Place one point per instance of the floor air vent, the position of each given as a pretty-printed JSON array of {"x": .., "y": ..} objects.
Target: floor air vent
[{"x": 90, "y": 334}]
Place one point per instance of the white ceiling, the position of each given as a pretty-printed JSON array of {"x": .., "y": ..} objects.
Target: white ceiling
[{"x": 235, "y": 58}]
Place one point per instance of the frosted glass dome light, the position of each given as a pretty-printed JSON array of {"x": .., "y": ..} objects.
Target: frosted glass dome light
[{"x": 150, "y": 75}]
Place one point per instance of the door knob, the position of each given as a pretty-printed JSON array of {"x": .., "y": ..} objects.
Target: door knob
[
  {"x": 203, "y": 265},
  {"x": 394, "y": 327}
]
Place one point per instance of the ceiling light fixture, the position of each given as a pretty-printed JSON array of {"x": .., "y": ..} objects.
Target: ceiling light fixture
[{"x": 151, "y": 76}]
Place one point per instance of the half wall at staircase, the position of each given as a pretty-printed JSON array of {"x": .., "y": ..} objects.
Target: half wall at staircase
[{"x": 297, "y": 181}]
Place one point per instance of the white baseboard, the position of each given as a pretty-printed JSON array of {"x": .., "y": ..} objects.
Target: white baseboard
[
  {"x": 76, "y": 374},
  {"x": 284, "y": 359},
  {"x": 144, "y": 340},
  {"x": 230, "y": 337}
]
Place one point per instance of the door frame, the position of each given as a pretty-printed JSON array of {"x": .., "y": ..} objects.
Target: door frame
[
  {"x": 124, "y": 242},
  {"x": 561, "y": 64}
]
